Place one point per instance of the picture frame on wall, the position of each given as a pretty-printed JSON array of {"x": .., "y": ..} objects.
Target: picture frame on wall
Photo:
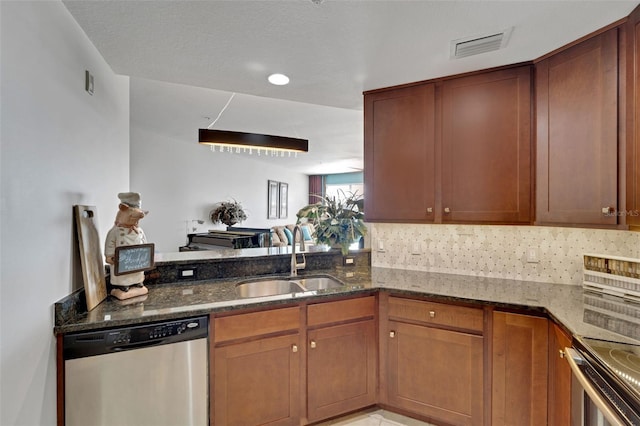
[
  {"x": 273, "y": 203},
  {"x": 283, "y": 195}
]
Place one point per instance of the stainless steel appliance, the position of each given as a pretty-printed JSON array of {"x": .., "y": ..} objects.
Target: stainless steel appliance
[
  {"x": 153, "y": 374},
  {"x": 605, "y": 383}
]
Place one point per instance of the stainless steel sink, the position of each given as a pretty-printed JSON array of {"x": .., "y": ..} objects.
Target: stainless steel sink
[
  {"x": 271, "y": 287},
  {"x": 318, "y": 283},
  {"x": 285, "y": 285}
]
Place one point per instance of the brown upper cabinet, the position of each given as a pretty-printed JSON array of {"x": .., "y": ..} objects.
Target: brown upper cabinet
[
  {"x": 399, "y": 154},
  {"x": 450, "y": 151},
  {"x": 577, "y": 133},
  {"x": 560, "y": 146},
  {"x": 486, "y": 147},
  {"x": 632, "y": 158}
]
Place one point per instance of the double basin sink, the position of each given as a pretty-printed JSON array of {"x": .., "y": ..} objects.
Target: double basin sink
[{"x": 285, "y": 285}]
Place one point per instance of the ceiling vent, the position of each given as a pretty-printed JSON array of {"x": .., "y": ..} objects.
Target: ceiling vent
[{"x": 469, "y": 46}]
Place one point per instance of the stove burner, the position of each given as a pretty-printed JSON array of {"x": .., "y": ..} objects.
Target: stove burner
[
  {"x": 627, "y": 359},
  {"x": 622, "y": 359}
]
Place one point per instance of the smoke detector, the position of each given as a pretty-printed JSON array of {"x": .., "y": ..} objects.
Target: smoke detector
[{"x": 475, "y": 45}]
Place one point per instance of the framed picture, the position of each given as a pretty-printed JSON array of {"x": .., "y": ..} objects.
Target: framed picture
[
  {"x": 273, "y": 201},
  {"x": 284, "y": 200}
]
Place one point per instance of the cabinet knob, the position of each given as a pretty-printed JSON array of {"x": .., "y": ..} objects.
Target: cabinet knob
[
  {"x": 608, "y": 210},
  {"x": 294, "y": 348},
  {"x": 432, "y": 314},
  {"x": 392, "y": 334},
  {"x": 447, "y": 210},
  {"x": 313, "y": 344},
  {"x": 429, "y": 209},
  {"x": 561, "y": 352}
]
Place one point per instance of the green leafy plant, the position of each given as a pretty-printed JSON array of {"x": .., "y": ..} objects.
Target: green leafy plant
[
  {"x": 228, "y": 212},
  {"x": 337, "y": 220}
]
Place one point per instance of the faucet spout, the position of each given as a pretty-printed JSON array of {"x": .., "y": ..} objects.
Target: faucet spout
[{"x": 294, "y": 259}]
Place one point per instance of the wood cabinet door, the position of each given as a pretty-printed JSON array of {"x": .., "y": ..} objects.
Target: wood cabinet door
[
  {"x": 486, "y": 147},
  {"x": 435, "y": 373},
  {"x": 341, "y": 369},
  {"x": 519, "y": 386},
  {"x": 632, "y": 213},
  {"x": 577, "y": 133},
  {"x": 559, "y": 404},
  {"x": 257, "y": 383},
  {"x": 399, "y": 154}
]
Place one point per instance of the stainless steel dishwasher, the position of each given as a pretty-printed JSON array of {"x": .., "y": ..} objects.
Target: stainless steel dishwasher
[{"x": 152, "y": 374}]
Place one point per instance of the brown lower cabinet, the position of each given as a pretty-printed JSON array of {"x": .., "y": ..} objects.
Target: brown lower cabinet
[
  {"x": 256, "y": 372},
  {"x": 258, "y": 382},
  {"x": 445, "y": 363},
  {"x": 342, "y": 361},
  {"x": 434, "y": 361},
  {"x": 341, "y": 369},
  {"x": 519, "y": 370},
  {"x": 559, "y": 403},
  {"x": 261, "y": 362},
  {"x": 436, "y": 373}
]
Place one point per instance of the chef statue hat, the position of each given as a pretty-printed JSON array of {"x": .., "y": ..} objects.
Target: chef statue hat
[{"x": 131, "y": 199}]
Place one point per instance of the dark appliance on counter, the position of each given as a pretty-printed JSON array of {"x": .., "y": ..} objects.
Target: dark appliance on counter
[{"x": 236, "y": 238}]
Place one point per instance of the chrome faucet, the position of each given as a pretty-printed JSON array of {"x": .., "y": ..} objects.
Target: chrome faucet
[{"x": 294, "y": 260}]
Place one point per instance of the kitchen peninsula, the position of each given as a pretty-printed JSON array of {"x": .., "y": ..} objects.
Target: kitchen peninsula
[{"x": 389, "y": 306}]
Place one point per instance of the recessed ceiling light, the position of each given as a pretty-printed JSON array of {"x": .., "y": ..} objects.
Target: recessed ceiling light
[{"x": 278, "y": 79}]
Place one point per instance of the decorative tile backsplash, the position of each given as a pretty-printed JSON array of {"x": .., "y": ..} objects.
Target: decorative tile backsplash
[{"x": 496, "y": 251}]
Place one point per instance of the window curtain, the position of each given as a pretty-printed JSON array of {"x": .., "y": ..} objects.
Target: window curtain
[{"x": 316, "y": 188}]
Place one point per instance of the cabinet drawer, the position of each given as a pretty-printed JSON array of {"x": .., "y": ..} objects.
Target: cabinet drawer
[
  {"x": 436, "y": 313},
  {"x": 256, "y": 324},
  {"x": 342, "y": 310}
]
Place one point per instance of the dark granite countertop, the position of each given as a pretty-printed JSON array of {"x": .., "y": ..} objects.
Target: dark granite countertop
[{"x": 567, "y": 304}]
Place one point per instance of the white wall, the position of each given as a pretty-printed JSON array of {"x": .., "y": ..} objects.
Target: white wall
[
  {"x": 59, "y": 147},
  {"x": 181, "y": 181}
]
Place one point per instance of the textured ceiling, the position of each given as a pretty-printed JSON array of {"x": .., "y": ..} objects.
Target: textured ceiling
[{"x": 332, "y": 51}]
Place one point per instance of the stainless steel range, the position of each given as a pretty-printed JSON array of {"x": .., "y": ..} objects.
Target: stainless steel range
[
  {"x": 606, "y": 382},
  {"x": 606, "y": 366}
]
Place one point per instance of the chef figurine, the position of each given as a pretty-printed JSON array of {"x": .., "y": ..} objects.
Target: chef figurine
[{"x": 125, "y": 232}]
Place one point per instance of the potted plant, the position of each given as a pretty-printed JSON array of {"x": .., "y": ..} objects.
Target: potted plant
[
  {"x": 338, "y": 220},
  {"x": 228, "y": 212}
]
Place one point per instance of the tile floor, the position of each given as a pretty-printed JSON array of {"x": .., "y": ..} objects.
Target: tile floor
[{"x": 374, "y": 417}]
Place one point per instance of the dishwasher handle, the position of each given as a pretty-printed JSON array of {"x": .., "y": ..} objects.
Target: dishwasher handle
[{"x": 138, "y": 345}]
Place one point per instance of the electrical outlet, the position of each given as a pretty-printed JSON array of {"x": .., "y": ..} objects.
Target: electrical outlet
[
  {"x": 533, "y": 255},
  {"x": 415, "y": 248},
  {"x": 380, "y": 245},
  {"x": 187, "y": 274}
]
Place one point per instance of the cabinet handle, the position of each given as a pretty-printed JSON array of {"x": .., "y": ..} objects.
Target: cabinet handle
[
  {"x": 429, "y": 209},
  {"x": 294, "y": 348},
  {"x": 392, "y": 334},
  {"x": 432, "y": 314},
  {"x": 313, "y": 344},
  {"x": 561, "y": 353},
  {"x": 447, "y": 210}
]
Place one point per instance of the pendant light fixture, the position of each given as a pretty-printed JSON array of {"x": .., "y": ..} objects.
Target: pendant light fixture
[
  {"x": 237, "y": 140},
  {"x": 232, "y": 141}
]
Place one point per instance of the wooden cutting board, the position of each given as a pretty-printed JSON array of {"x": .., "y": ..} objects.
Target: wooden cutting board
[{"x": 95, "y": 286}]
